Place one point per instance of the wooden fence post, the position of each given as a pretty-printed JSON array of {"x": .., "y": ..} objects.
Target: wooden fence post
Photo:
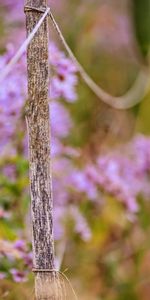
[{"x": 37, "y": 115}]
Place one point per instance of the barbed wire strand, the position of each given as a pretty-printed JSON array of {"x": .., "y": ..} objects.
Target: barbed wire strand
[
  {"x": 133, "y": 96},
  {"x": 20, "y": 52}
]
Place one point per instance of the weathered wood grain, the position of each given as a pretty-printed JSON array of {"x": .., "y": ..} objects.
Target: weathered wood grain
[{"x": 37, "y": 115}]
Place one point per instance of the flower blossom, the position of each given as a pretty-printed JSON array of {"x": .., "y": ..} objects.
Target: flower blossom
[
  {"x": 18, "y": 276},
  {"x": 64, "y": 81}
]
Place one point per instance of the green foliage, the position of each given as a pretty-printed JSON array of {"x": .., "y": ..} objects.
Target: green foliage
[{"x": 142, "y": 23}]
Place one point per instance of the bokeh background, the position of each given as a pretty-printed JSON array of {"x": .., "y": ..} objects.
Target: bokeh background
[{"x": 100, "y": 156}]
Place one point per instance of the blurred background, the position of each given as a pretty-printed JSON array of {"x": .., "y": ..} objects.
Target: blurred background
[{"x": 100, "y": 155}]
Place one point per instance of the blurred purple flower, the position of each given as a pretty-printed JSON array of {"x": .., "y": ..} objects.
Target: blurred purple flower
[
  {"x": 81, "y": 226},
  {"x": 20, "y": 245},
  {"x": 82, "y": 183},
  {"x": 62, "y": 169},
  {"x": 28, "y": 259},
  {"x": 9, "y": 171},
  {"x": 13, "y": 94},
  {"x": 2, "y": 275},
  {"x": 60, "y": 120},
  {"x": 18, "y": 276},
  {"x": 64, "y": 81},
  {"x": 14, "y": 9},
  {"x": 59, "y": 228},
  {"x": 62, "y": 86},
  {"x": 61, "y": 214}
]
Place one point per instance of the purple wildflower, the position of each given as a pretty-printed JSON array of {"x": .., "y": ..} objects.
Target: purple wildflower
[
  {"x": 81, "y": 226},
  {"x": 2, "y": 275},
  {"x": 64, "y": 81},
  {"x": 18, "y": 276},
  {"x": 61, "y": 120},
  {"x": 20, "y": 245},
  {"x": 82, "y": 182},
  {"x": 28, "y": 259},
  {"x": 62, "y": 86}
]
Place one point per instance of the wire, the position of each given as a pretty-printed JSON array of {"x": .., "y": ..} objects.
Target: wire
[
  {"x": 132, "y": 97},
  {"x": 23, "y": 47}
]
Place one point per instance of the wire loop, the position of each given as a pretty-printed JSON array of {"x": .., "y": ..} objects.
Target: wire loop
[
  {"x": 132, "y": 97},
  {"x": 34, "y": 9},
  {"x": 35, "y": 270}
]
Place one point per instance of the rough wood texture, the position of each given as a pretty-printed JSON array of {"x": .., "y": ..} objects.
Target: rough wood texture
[{"x": 37, "y": 115}]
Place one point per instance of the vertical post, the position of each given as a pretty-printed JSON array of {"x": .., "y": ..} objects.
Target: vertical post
[{"x": 37, "y": 115}]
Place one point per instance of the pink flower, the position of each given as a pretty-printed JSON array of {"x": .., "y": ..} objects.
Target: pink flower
[
  {"x": 18, "y": 276},
  {"x": 81, "y": 226},
  {"x": 82, "y": 182},
  {"x": 20, "y": 245},
  {"x": 28, "y": 259},
  {"x": 60, "y": 120},
  {"x": 2, "y": 275},
  {"x": 62, "y": 86},
  {"x": 4, "y": 214}
]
